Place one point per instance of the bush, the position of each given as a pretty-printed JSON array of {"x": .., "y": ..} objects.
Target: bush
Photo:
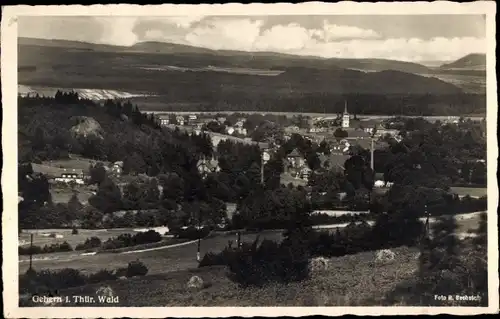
[
  {"x": 256, "y": 265},
  {"x": 53, "y": 248},
  {"x": 192, "y": 233},
  {"x": 136, "y": 268},
  {"x": 127, "y": 240},
  {"x": 30, "y": 250},
  {"x": 92, "y": 242},
  {"x": 102, "y": 275}
]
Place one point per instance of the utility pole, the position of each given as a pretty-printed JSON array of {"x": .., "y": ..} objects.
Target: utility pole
[
  {"x": 198, "y": 255},
  {"x": 264, "y": 158},
  {"x": 31, "y": 252},
  {"x": 371, "y": 156}
]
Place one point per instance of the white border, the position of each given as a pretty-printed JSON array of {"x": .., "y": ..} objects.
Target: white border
[{"x": 9, "y": 138}]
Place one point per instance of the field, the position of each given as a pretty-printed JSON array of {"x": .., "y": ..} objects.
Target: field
[
  {"x": 63, "y": 194},
  {"x": 471, "y": 191},
  {"x": 175, "y": 258},
  {"x": 74, "y": 162},
  {"x": 41, "y": 237},
  {"x": 349, "y": 281},
  {"x": 158, "y": 261}
]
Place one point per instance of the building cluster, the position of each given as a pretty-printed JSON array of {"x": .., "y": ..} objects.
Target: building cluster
[
  {"x": 64, "y": 175},
  {"x": 197, "y": 122}
]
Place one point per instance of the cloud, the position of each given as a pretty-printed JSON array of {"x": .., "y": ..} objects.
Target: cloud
[
  {"x": 329, "y": 41},
  {"x": 182, "y": 21},
  {"x": 250, "y": 34},
  {"x": 226, "y": 34},
  {"x": 333, "y": 32},
  {"x": 118, "y": 30}
]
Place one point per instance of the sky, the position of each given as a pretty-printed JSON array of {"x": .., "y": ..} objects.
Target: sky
[{"x": 415, "y": 38}]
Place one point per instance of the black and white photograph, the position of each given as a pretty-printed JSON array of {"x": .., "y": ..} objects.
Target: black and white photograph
[{"x": 243, "y": 156}]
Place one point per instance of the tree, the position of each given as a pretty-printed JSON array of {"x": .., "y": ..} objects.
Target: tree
[
  {"x": 97, "y": 173},
  {"x": 92, "y": 218},
  {"x": 108, "y": 198},
  {"x": 313, "y": 161},
  {"x": 134, "y": 164},
  {"x": 74, "y": 205},
  {"x": 131, "y": 196}
]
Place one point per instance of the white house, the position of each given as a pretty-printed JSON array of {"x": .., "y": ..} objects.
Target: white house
[
  {"x": 71, "y": 175},
  {"x": 164, "y": 121},
  {"x": 180, "y": 120},
  {"x": 229, "y": 130}
]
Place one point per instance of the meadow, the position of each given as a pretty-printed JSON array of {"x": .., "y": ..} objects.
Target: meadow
[
  {"x": 158, "y": 261},
  {"x": 471, "y": 191},
  {"x": 352, "y": 280}
]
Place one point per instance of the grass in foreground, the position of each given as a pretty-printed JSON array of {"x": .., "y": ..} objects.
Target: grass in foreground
[
  {"x": 354, "y": 280},
  {"x": 471, "y": 191}
]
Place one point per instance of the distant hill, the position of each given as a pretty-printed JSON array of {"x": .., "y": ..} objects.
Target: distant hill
[
  {"x": 177, "y": 77},
  {"x": 474, "y": 61},
  {"x": 266, "y": 59}
]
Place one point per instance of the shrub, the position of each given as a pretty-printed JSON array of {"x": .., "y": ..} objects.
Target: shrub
[
  {"x": 102, "y": 275},
  {"x": 192, "y": 233},
  {"x": 127, "y": 240},
  {"x": 92, "y": 242},
  {"x": 255, "y": 264},
  {"x": 30, "y": 250},
  {"x": 136, "y": 268}
]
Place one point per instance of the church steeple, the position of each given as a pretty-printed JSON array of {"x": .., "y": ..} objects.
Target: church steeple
[{"x": 345, "y": 117}]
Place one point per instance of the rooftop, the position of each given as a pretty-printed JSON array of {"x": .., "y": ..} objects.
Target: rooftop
[
  {"x": 51, "y": 171},
  {"x": 294, "y": 153}
]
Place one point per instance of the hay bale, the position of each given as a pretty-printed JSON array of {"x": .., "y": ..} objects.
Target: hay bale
[
  {"x": 318, "y": 264},
  {"x": 384, "y": 256},
  {"x": 195, "y": 282}
]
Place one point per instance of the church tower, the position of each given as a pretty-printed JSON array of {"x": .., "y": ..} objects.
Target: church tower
[{"x": 345, "y": 117}]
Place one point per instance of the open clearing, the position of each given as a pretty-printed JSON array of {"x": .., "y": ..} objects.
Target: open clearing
[
  {"x": 471, "y": 191},
  {"x": 63, "y": 195},
  {"x": 41, "y": 237},
  {"x": 349, "y": 281}
]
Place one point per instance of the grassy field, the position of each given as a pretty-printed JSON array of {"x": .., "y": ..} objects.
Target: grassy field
[
  {"x": 41, "y": 238},
  {"x": 170, "y": 259},
  {"x": 158, "y": 261},
  {"x": 471, "y": 191},
  {"x": 75, "y": 161},
  {"x": 354, "y": 280},
  {"x": 63, "y": 195}
]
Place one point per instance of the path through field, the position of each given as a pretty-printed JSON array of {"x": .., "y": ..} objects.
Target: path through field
[{"x": 161, "y": 260}]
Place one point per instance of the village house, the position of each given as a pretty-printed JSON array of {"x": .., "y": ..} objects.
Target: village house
[
  {"x": 117, "y": 168},
  {"x": 317, "y": 130},
  {"x": 295, "y": 159},
  {"x": 180, "y": 120},
  {"x": 206, "y": 166},
  {"x": 241, "y": 131},
  {"x": 164, "y": 121},
  {"x": 340, "y": 146},
  {"x": 71, "y": 175},
  {"x": 221, "y": 119},
  {"x": 230, "y": 130},
  {"x": 59, "y": 174}
]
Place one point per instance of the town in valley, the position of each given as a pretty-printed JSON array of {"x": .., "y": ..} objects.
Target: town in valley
[{"x": 186, "y": 166}]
